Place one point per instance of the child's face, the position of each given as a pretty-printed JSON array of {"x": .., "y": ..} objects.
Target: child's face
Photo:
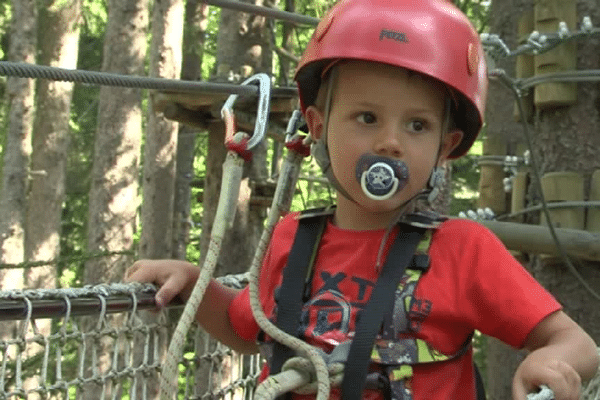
[{"x": 387, "y": 111}]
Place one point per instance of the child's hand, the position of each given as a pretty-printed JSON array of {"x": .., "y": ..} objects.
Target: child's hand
[
  {"x": 174, "y": 277},
  {"x": 537, "y": 369}
]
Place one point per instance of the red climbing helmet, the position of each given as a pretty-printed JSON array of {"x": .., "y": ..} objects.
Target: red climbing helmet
[{"x": 432, "y": 37}]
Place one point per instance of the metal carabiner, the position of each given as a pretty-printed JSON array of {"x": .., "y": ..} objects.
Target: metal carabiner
[
  {"x": 293, "y": 125},
  {"x": 262, "y": 115}
]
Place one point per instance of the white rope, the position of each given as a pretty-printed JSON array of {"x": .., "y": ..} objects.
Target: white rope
[
  {"x": 232, "y": 176},
  {"x": 275, "y": 384}
]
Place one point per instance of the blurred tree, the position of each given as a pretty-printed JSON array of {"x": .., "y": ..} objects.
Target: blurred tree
[
  {"x": 160, "y": 144},
  {"x": 113, "y": 198},
  {"x": 58, "y": 45},
  {"x": 17, "y": 146}
]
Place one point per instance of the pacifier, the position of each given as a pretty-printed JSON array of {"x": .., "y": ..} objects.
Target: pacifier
[{"x": 381, "y": 177}]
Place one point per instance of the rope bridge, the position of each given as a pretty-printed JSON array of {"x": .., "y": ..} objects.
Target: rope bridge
[{"x": 99, "y": 342}]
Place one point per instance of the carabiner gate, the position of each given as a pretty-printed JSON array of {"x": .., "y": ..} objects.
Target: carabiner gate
[{"x": 262, "y": 114}]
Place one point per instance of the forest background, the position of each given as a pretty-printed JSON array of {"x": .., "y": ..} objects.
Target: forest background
[{"x": 94, "y": 177}]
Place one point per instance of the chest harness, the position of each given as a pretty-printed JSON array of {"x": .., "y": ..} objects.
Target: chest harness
[{"x": 382, "y": 340}]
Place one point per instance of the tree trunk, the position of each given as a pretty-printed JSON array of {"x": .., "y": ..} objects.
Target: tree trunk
[
  {"x": 17, "y": 148},
  {"x": 161, "y": 135},
  {"x": 58, "y": 48},
  {"x": 243, "y": 48},
  {"x": 502, "y": 130},
  {"x": 114, "y": 184},
  {"x": 196, "y": 20},
  {"x": 160, "y": 148},
  {"x": 564, "y": 139}
]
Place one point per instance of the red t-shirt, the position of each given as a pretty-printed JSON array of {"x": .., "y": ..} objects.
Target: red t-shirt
[{"x": 473, "y": 283}]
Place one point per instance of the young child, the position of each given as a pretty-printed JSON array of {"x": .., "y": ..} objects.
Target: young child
[{"x": 390, "y": 90}]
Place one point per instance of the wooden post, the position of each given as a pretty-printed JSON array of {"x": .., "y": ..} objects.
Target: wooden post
[
  {"x": 491, "y": 187},
  {"x": 593, "y": 214},
  {"x": 564, "y": 186},
  {"x": 519, "y": 192},
  {"x": 547, "y": 16}
]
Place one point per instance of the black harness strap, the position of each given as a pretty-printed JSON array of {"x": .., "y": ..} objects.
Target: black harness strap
[
  {"x": 371, "y": 317},
  {"x": 295, "y": 275}
]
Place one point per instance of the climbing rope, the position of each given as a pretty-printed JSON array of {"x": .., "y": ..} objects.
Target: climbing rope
[
  {"x": 298, "y": 148},
  {"x": 239, "y": 147}
]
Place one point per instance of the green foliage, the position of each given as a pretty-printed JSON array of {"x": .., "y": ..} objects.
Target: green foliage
[
  {"x": 5, "y": 19},
  {"x": 210, "y": 42},
  {"x": 196, "y": 208},
  {"x": 477, "y": 11},
  {"x": 465, "y": 180}
]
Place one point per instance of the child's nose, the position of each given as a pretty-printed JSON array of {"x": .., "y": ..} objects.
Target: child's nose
[{"x": 388, "y": 143}]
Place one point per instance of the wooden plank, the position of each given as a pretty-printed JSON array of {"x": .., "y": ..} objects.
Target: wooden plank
[
  {"x": 547, "y": 15},
  {"x": 564, "y": 186},
  {"x": 537, "y": 239},
  {"x": 491, "y": 187},
  {"x": 593, "y": 214}
]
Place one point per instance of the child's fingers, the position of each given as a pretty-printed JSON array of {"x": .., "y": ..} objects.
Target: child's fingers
[
  {"x": 169, "y": 289},
  {"x": 566, "y": 383},
  {"x": 171, "y": 276},
  {"x": 559, "y": 376}
]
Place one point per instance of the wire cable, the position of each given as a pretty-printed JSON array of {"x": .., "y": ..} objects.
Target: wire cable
[
  {"x": 265, "y": 12},
  {"x": 24, "y": 70}
]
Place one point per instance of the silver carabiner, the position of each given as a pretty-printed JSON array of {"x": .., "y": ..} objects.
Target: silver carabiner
[
  {"x": 262, "y": 114},
  {"x": 293, "y": 125}
]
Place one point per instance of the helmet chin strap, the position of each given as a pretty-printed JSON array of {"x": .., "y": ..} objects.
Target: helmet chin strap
[{"x": 319, "y": 148}]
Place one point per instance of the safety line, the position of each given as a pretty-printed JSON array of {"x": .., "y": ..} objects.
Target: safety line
[
  {"x": 265, "y": 11},
  {"x": 25, "y": 70}
]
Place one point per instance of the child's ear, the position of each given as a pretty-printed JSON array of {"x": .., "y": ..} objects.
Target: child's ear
[
  {"x": 314, "y": 120},
  {"x": 449, "y": 142}
]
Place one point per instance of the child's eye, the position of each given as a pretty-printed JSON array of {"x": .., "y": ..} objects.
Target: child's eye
[
  {"x": 417, "y": 125},
  {"x": 366, "y": 118}
]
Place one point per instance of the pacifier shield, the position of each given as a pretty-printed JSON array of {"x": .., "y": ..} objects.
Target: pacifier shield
[{"x": 381, "y": 177}]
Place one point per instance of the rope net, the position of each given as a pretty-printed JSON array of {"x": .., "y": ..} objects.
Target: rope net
[{"x": 100, "y": 343}]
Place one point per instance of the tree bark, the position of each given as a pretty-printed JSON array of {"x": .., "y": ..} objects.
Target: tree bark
[
  {"x": 17, "y": 148},
  {"x": 196, "y": 20},
  {"x": 114, "y": 185},
  {"x": 160, "y": 146},
  {"x": 115, "y": 172},
  {"x": 563, "y": 139},
  {"x": 502, "y": 130},
  {"x": 58, "y": 48},
  {"x": 566, "y": 139},
  {"x": 160, "y": 152}
]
